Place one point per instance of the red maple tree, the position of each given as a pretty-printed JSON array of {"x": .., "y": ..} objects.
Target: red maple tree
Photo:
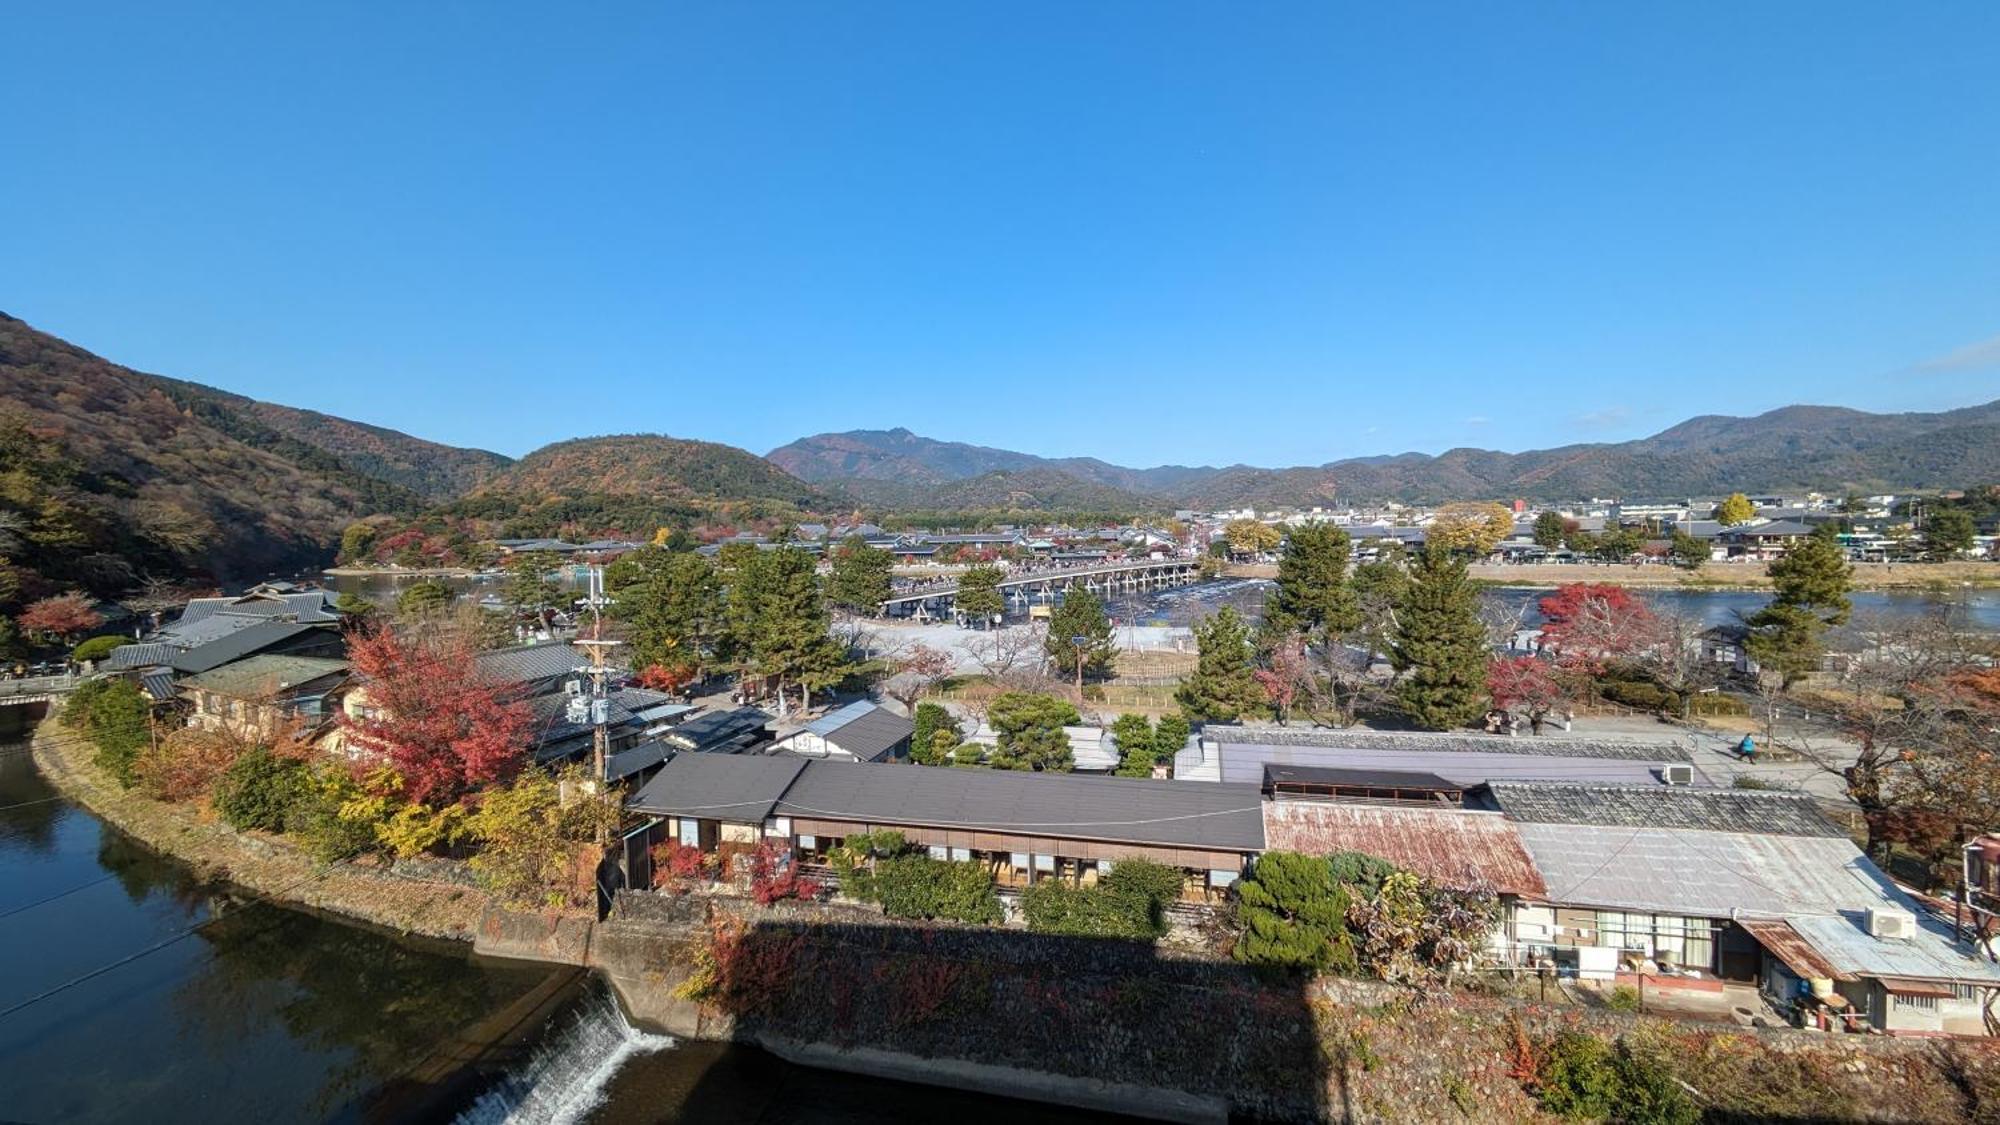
[
  {"x": 433, "y": 716},
  {"x": 1589, "y": 626},
  {"x": 65, "y": 616},
  {"x": 1528, "y": 682}
]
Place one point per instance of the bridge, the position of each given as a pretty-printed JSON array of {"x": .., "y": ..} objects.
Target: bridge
[
  {"x": 937, "y": 599},
  {"x": 36, "y": 689}
]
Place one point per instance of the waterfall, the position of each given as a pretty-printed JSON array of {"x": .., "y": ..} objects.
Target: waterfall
[{"x": 565, "y": 1078}]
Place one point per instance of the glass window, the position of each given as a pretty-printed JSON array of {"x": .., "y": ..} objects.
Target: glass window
[
  {"x": 939, "y": 851},
  {"x": 1222, "y": 878},
  {"x": 809, "y": 842},
  {"x": 962, "y": 855},
  {"x": 1018, "y": 860},
  {"x": 690, "y": 832},
  {"x": 1045, "y": 863}
]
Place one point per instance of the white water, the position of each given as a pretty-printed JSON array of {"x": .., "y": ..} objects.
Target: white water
[{"x": 567, "y": 1076}]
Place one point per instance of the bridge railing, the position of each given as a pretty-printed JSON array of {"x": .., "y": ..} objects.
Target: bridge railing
[{"x": 38, "y": 685}]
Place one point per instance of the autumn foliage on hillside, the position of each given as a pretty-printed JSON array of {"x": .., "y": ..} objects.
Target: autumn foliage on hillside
[{"x": 437, "y": 721}]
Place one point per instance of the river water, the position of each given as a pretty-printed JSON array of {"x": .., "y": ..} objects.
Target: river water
[{"x": 252, "y": 1012}]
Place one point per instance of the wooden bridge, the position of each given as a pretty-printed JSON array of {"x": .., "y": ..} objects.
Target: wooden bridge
[{"x": 938, "y": 599}]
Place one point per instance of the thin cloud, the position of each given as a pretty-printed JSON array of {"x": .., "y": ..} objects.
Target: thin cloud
[
  {"x": 1982, "y": 356},
  {"x": 1477, "y": 420},
  {"x": 1603, "y": 418}
]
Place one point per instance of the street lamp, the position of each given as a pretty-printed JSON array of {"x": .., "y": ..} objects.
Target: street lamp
[{"x": 1078, "y": 642}]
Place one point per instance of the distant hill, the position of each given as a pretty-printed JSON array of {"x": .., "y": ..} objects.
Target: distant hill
[
  {"x": 1025, "y": 490},
  {"x": 905, "y": 458},
  {"x": 170, "y": 477},
  {"x": 1829, "y": 449},
  {"x": 650, "y": 465}
]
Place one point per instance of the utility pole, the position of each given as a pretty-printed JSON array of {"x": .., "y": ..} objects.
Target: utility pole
[{"x": 600, "y": 703}]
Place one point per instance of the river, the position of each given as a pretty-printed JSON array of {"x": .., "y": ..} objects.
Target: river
[{"x": 247, "y": 1011}]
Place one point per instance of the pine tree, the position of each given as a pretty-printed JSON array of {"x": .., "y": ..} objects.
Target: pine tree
[
  {"x": 1136, "y": 746},
  {"x": 979, "y": 598},
  {"x": 1948, "y": 533},
  {"x": 1809, "y": 594},
  {"x": 1223, "y": 687},
  {"x": 1439, "y": 644},
  {"x": 791, "y": 642},
  {"x": 674, "y": 614},
  {"x": 1080, "y": 615},
  {"x": 860, "y": 581},
  {"x": 1030, "y": 732},
  {"x": 1313, "y": 596}
]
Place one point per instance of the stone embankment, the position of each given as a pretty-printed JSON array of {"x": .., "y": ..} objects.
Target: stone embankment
[
  {"x": 431, "y": 899},
  {"x": 1096, "y": 1024}
]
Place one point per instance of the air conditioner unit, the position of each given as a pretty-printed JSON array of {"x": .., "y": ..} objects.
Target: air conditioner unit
[
  {"x": 1678, "y": 774},
  {"x": 572, "y": 687},
  {"x": 1891, "y": 925}
]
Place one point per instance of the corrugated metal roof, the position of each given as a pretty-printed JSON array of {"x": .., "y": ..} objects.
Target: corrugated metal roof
[
  {"x": 1454, "y": 846},
  {"x": 1357, "y": 738},
  {"x": 719, "y": 731},
  {"x": 1690, "y": 871},
  {"x": 158, "y": 686},
  {"x": 1783, "y": 942},
  {"x": 1638, "y": 806},
  {"x": 1277, "y": 774},
  {"x": 720, "y": 786},
  {"x": 1123, "y": 810},
  {"x": 638, "y": 758},
  {"x": 1843, "y": 940},
  {"x": 1246, "y": 762},
  {"x": 866, "y": 731}
]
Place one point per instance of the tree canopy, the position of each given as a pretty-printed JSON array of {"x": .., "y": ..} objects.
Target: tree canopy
[
  {"x": 1080, "y": 615},
  {"x": 1439, "y": 644},
  {"x": 1223, "y": 686},
  {"x": 1312, "y": 596}
]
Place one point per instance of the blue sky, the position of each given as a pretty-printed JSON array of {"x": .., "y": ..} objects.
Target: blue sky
[{"x": 1157, "y": 232}]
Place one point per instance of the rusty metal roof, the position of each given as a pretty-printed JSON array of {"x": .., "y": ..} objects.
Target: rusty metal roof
[
  {"x": 1783, "y": 942},
  {"x": 1454, "y": 846}
]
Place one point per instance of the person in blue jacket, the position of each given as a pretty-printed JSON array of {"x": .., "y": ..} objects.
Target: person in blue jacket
[{"x": 1747, "y": 749}]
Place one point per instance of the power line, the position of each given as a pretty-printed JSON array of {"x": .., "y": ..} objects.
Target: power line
[{"x": 61, "y": 894}]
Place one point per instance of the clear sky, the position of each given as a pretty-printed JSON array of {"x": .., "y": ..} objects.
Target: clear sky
[{"x": 1155, "y": 232}]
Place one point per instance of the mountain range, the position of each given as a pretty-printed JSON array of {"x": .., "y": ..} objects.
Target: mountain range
[
  {"x": 1820, "y": 448},
  {"x": 105, "y": 462}
]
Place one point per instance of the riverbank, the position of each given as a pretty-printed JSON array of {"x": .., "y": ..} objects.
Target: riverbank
[
  {"x": 379, "y": 572},
  {"x": 377, "y": 896},
  {"x": 1902, "y": 577}
]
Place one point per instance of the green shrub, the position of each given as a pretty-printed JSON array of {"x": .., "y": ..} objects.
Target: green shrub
[
  {"x": 1623, "y": 998},
  {"x": 1056, "y": 907},
  {"x": 917, "y": 886},
  {"x": 116, "y": 719},
  {"x": 1156, "y": 883},
  {"x": 1633, "y": 693},
  {"x": 1361, "y": 871},
  {"x": 96, "y": 648},
  {"x": 260, "y": 789},
  {"x": 314, "y": 816},
  {"x": 1294, "y": 915},
  {"x": 1584, "y": 1078}
]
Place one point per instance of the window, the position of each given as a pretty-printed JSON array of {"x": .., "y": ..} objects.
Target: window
[
  {"x": 1045, "y": 863},
  {"x": 1220, "y": 879},
  {"x": 690, "y": 832},
  {"x": 809, "y": 843},
  {"x": 961, "y": 855},
  {"x": 939, "y": 851}
]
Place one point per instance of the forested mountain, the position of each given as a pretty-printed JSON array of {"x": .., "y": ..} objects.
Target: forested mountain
[
  {"x": 1025, "y": 490},
  {"x": 651, "y": 465},
  {"x": 116, "y": 473},
  {"x": 1830, "y": 449}
]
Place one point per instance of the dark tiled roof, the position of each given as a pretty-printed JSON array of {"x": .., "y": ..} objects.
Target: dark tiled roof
[
  {"x": 644, "y": 756},
  {"x": 1554, "y": 746},
  {"x": 1119, "y": 809},
  {"x": 1632, "y": 806},
  {"x": 718, "y": 786},
  {"x": 863, "y": 729},
  {"x": 158, "y": 685},
  {"x": 126, "y": 657},
  {"x": 266, "y": 676},
  {"x": 238, "y": 645},
  {"x": 720, "y": 731},
  {"x": 527, "y": 663}
]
